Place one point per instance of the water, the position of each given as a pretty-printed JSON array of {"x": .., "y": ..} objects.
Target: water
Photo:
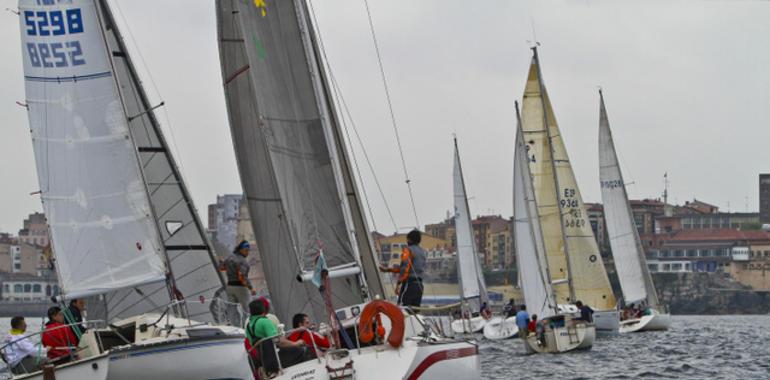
[{"x": 696, "y": 347}]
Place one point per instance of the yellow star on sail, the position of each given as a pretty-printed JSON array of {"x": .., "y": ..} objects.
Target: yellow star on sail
[{"x": 262, "y": 5}]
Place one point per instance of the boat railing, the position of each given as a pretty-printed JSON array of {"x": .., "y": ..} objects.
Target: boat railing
[
  {"x": 232, "y": 312},
  {"x": 274, "y": 346}
]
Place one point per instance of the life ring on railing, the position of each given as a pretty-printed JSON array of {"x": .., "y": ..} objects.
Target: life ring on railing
[{"x": 371, "y": 313}]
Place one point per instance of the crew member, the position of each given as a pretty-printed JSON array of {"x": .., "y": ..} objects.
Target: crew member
[
  {"x": 58, "y": 337},
  {"x": 410, "y": 271},
  {"x": 586, "y": 313},
  {"x": 76, "y": 309},
  {"x": 20, "y": 352},
  {"x": 304, "y": 331},
  {"x": 239, "y": 287}
]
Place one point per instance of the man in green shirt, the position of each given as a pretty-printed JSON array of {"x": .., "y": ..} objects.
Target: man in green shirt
[{"x": 260, "y": 327}]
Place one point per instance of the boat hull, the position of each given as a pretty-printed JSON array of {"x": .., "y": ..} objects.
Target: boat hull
[
  {"x": 607, "y": 320},
  {"x": 498, "y": 328},
  {"x": 563, "y": 339},
  {"x": 468, "y": 326},
  {"x": 95, "y": 368},
  {"x": 654, "y": 322},
  {"x": 182, "y": 359},
  {"x": 414, "y": 360}
]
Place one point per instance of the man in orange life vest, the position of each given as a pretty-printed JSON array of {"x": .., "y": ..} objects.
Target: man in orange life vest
[{"x": 409, "y": 288}]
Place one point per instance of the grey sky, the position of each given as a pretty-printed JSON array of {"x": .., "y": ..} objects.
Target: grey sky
[{"x": 687, "y": 86}]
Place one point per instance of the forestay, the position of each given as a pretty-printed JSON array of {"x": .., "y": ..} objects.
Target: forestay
[
  {"x": 528, "y": 238},
  {"x": 471, "y": 277},
  {"x": 630, "y": 263},
  {"x": 290, "y": 155},
  {"x": 102, "y": 230},
  {"x": 576, "y": 267}
]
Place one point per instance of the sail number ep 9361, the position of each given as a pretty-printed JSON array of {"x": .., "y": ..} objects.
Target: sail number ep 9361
[{"x": 54, "y": 23}]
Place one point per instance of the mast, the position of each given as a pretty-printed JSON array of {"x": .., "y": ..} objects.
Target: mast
[
  {"x": 351, "y": 203},
  {"x": 555, "y": 175}
]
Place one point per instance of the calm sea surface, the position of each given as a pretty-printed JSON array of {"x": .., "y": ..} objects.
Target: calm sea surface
[{"x": 696, "y": 347}]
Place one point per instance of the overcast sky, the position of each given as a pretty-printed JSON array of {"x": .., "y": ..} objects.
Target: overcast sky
[{"x": 686, "y": 83}]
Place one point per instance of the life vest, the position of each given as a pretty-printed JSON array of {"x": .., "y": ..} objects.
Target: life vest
[{"x": 371, "y": 313}]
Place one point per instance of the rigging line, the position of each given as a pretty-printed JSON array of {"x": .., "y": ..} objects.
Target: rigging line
[
  {"x": 154, "y": 86},
  {"x": 366, "y": 157},
  {"x": 392, "y": 115},
  {"x": 341, "y": 101}
]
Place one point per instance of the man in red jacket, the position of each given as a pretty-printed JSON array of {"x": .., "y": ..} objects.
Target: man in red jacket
[
  {"x": 302, "y": 322},
  {"x": 58, "y": 338}
]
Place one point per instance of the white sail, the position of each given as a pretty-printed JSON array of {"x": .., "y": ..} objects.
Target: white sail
[
  {"x": 102, "y": 228},
  {"x": 469, "y": 271},
  {"x": 630, "y": 263},
  {"x": 530, "y": 250},
  {"x": 576, "y": 266}
]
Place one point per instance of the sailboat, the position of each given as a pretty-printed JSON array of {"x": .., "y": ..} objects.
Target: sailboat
[
  {"x": 576, "y": 265},
  {"x": 630, "y": 262},
  {"x": 304, "y": 201},
  {"x": 124, "y": 231},
  {"x": 558, "y": 331},
  {"x": 473, "y": 290}
]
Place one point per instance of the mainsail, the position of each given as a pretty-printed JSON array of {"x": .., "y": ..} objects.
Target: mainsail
[
  {"x": 530, "y": 249},
  {"x": 630, "y": 263},
  {"x": 576, "y": 267},
  {"x": 291, "y": 157},
  {"x": 469, "y": 271},
  {"x": 97, "y": 207},
  {"x": 104, "y": 114}
]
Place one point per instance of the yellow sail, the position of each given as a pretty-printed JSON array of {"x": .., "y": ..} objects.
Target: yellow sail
[{"x": 575, "y": 265}]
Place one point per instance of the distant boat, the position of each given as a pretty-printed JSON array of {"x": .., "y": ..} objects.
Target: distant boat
[
  {"x": 124, "y": 231},
  {"x": 576, "y": 266},
  {"x": 473, "y": 289},
  {"x": 558, "y": 331},
  {"x": 630, "y": 263},
  {"x": 305, "y": 204}
]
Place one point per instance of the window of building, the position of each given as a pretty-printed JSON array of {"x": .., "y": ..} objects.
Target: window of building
[
  {"x": 18, "y": 288},
  {"x": 48, "y": 289},
  {"x": 676, "y": 266},
  {"x": 652, "y": 267},
  {"x": 678, "y": 253},
  {"x": 27, "y": 288},
  {"x": 6, "y": 288},
  {"x": 666, "y": 267},
  {"x": 692, "y": 253},
  {"x": 37, "y": 288}
]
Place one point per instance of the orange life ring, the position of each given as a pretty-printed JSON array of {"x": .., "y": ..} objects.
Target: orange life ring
[{"x": 371, "y": 311}]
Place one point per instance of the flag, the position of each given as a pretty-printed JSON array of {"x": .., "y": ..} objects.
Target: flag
[{"x": 320, "y": 267}]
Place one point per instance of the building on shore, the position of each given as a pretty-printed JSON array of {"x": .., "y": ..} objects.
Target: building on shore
[
  {"x": 35, "y": 230},
  {"x": 27, "y": 287},
  {"x": 223, "y": 222}
]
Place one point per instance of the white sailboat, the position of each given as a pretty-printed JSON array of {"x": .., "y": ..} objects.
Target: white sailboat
[
  {"x": 124, "y": 231},
  {"x": 558, "y": 331},
  {"x": 576, "y": 265},
  {"x": 630, "y": 262},
  {"x": 304, "y": 199},
  {"x": 473, "y": 289}
]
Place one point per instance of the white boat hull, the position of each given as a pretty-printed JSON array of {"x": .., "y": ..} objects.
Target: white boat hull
[
  {"x": 654, "y": 322},
  {"x": 468, "y": 326},
  {"x": 498, "y": 328},
  {"x": 563, "y": 339},
  {"x": 95, "y": 368},
  {"x": 182, "y": 359},
  {"x": 414, "y": 360},
  {"x": 607, "y": 320}
]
